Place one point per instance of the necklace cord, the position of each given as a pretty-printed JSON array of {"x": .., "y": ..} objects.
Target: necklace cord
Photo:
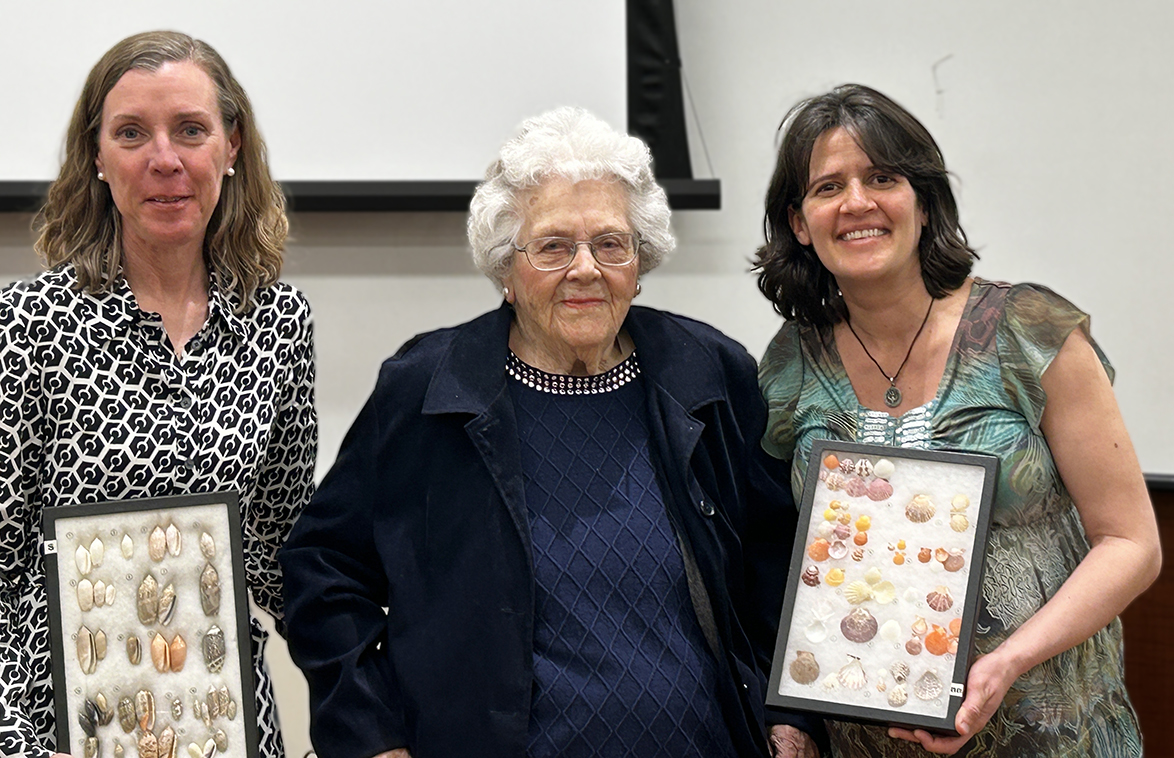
[{"x": 892, "y": 379}]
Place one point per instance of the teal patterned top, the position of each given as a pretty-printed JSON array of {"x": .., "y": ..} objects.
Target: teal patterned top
[{"x": 989, "y": 400}]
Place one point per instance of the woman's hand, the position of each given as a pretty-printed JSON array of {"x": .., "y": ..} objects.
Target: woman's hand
[
  {"x": 788, "y": 742},
  {"x": 399, "y": 752},
  {"x": 986, "y": 685}
]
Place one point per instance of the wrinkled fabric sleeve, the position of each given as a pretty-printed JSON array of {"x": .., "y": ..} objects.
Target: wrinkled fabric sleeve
[
  {"x": 19, "y": 450},
  {"x": 1036, "y": 322},
  {"x": 286, "y": 479},
  {"x": 780, "y": 378},
  {"x": 335, "y": 594}
]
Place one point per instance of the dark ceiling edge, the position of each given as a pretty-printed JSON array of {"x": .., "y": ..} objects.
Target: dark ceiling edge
[
  {"x": 1160, "y": 482},
  {"x": 316, "y": 197}
]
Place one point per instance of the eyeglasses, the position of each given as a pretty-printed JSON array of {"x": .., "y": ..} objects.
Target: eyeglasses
[{"x": 555, "y": 253}]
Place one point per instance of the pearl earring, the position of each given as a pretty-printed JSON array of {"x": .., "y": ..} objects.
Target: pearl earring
[
  {"x": 638, "y": 288},
  {"x": 231, "y": 171},
  {"x": 505, "y": 292},
  {"x": 101, "y": 177}
]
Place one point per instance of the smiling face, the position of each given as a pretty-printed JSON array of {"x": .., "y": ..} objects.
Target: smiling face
[
  {"x": 578, "y": 309},
  {"x": 864, "y": 223},
  {"x": 164, "y": 151}
]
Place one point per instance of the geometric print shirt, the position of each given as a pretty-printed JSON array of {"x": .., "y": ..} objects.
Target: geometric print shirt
[{"x": 95, "y": 405}]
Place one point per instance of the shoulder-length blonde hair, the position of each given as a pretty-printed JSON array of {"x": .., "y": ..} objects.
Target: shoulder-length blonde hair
[{"x": 79, "y": 223}]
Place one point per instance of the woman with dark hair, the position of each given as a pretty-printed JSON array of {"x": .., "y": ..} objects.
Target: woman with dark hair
[
  {"x": 159, "y": 354},
  {"x": 889, "y": 340}
]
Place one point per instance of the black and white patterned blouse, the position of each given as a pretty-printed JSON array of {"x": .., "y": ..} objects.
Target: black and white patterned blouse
[{"x": 95, "y": 405}]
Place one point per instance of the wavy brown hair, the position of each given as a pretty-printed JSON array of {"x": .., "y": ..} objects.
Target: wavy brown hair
[
  {"x": 790, "y": 274},
  {"x": 79, "y": 224}
]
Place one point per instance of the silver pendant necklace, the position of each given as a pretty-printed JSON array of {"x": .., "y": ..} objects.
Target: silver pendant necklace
[{"x": 892, "y": 394}]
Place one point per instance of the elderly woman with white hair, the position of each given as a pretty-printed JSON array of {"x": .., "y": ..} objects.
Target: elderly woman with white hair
[{"x": 551, "y": 531}]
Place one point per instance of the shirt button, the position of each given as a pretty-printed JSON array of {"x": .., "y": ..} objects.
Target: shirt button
[
  {"x": 185, "y": 402},
  {"x": 706, "y": 508},
  {"x": 195, "y": 345}
]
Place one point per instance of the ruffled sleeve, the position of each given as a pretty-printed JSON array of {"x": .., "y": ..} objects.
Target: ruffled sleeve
[
  {"x": 780, "y": 377},
  {"x": 1035, "y": 324}
]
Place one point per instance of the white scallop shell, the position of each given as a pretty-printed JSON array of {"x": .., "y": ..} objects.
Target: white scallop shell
[
  {"x": 920, "y": 509},
  {"x": 911, "y": 595},
  {"x": 857, "y": 592},
  {"x": 816, "y": 631},
  {"x": 837, "y": 550},
  {"x": 928, "y": 686},
  {"x": 898, "y": 696},
  {"x": 873, "y": 575},
  {"x": 891, "y": 631},
  {"x": 97, "y": 552},
  {"x": 830, "y": 682},
  {"x": 959, "y": 503},
  {"x": 128, "y": 547},
  {"x": 959, "y": 522},
  {"x": 82, "y": 558},
  {"x": 852, "y": 674},
  {"x": 883, "y": 468},
  {"x": 85, "y": 595}
]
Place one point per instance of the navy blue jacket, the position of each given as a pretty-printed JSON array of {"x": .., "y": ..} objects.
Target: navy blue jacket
[{"x": 423, "y": 514}]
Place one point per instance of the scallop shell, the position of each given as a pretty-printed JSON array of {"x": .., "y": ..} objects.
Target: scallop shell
[
  {"x": 85, "y": 595},
  {"x": 925, "y": 555},
  {"x": 920, "y": 509},
  {"x": 99, "y": 593},
  {"x": 856, "y": 487},
  {"x": 81, "y": 557},
  {"x": 145, "y": 710},
  {"x": 817, "y": 550},
  {"x": 936, "y": 642},
  {"x": 816, "y": 632},
  {"x": 174, "y": 540},
  {"x": 823, "y": 610},
  {"x": 804, "y": 669},
  {"x": 864, "y": 523},
  {"x": 858, "y": 626},
  {"x": 167, "y": 604},
  {"x": 207, "y": 546},
  {"x": 858, "y": 592},
  {"x": 873, "y": 575},
  {"x": 928, "y": 686},
  {"x": 959, "y": 522},
  {"x": 831, "y": 682},
  {"x": 852, "y": 674},
  {"x": 213, "y": 647},
  {"x": 210, "y": 590},
  {"x": 157, "y": 543},
  {"x": 954, "y": 561},
  {"x": 97, "y": 552},
  {"x": 913, "y": 646},
  {"x": 811, "y": 576},
  {"x": 134, "y": 650},
  {"x": 847, "y": 465},
  {"x": 919, "y": 626},
  {"x": 940, "y": 599},
  {"x": 86, "y": 657},
  {"x": 879, "y": 489},
  {"x": 178, "y": 652},
  {"x": 841, "y": 531},
  {"x": 884, "y": 592},
  {"x": 941, "y": 554},
  {"x": 864, "y": 468},
  {"x": 898, "y": 696},
  {"x": 959, "y": 503},
  {"x": 831, "y": 461},
  {"x": 891, "y": 631},
  {"x": 825, "y": 529},
  {"x": 148, "y": 599},
  {"x": 834, "y": 481},
  {"x": 883, "y": 468},
  {"x": 837, "y": 550},
  {"x": 160, "y": 654},
  {"x": 835, "y": 577},
  {"x": 128, "y": 546}
]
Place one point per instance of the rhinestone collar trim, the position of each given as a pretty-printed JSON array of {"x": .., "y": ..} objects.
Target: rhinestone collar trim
[{"x": 562, "y": 384}]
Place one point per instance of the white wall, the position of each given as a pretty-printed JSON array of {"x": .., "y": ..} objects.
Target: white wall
[{"x": 1055, "y": 126}]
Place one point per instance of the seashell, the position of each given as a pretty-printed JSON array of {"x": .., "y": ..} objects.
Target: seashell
[
  {"x": 919, "y": 626},
  {"x": 955, "y": 626},
  {"x": 831, "y": 682},
  {"x": 87, "y": 718},
  {"x": 85, "y": 595},
  {"x": 954, "y": 561},
  {"x": 148, "y": 599},
  {"x": 879, "y": 489},
  {"x": 207, "y": 546},
  {"x": 844, "y": 517},
  {"x": 109, "y": 594},
  {"x": 825, "y": 529},
  {"x": 864, "y": 468},
  {"x": 952, "y": 645},
  {"x": 831, "y": 461},
  {"x": 816, "y": 632},
  {"x": 884, "y": 592},
  {"x": 174, "y": 540},
  {"x": 941, "y": 554},
  {"x": 920, "y": 509},
  {"x": 823, "y": 474},
  {"x": 847, "y": 465},
  {"x": 858, "y": 592},
  {"x": 900, "y": 544},
  {"x": 82, "y": 558},
  {"x": 900, "y": 671},
  {"x": 836, "y": 505},
  {"x": 837, "y": 550},
  {"x": 195, "y": 751},
  {"x": 834, "y": 481},
  {"x": 860, "y": 538},
  {"x": 864, "y": 523},
  {"x": 898, "y": 559},
  {"x": 209, "y": 748},
  {"x": 804, "y": 669},
  {"x": 167, "y": 743},
  {"x": 852, "y": 674},
  {"x": 213, "y": 704},
  {"x": 160, "y": 654},
  {"x": 99, "y": 645},
  {"x": 128, "y": 546},
  {"x": 858, "y": 626},
  {"x": 213, "y": 647},
  {"x": 873, "y": 575},
  {"x": 891, "y": 631},
  {"x": 818, "y": 550},
  {"x": 883, "y": 468},
  {"x": 145, "y": 710},
  {"x": 913, "y": 646},
  {"x": 881, "y": 686},
  {"x": 134, "y": 650},
  {"x": 97, "y": 552},
  {"x": 148, "y": 745},
  {"x": 936, "y": 642},
  {"x": 823, "y": 610},
  {"x": 811, "y": 576},
  {"x": 924, "y": 555},
  {"x": 857, "y": 554},
  {"x": 157, "y": 543},
  {"x": 222, "y": 700},
  {"x": 928, "y": 686},
  {"x": 118, "y": 750},
  {"x": 91, "y": 747},
  {"x": 221, "y": 740},
  {"x": 178, "y": 652},
  {"x": 86, "y": 657},
  {"x": 959, "y": 522},
  {"x": 177, "y": 709},
  {"x": 959, "y": 503},
  {"x": 898, "y": 696},
  {"x": 126, "y": 714},
  {"x": 99, "y": 590},
  {"x": 210, "y": 590},
  {"x": 231, "y": 712},
  {"x": 167, "y": 604},
  {"x": 835, "y": 577},
  {"x": 940, "y": 599},
  {"x": 856, "y": 487},
  {"x": 841, "y": 532},
  {"x": 105, "y": 711}
]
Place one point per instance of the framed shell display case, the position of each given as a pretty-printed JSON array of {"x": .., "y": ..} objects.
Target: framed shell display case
[
  {"x": 879, "y": 614},
  {"x": 150, "y": 629}
]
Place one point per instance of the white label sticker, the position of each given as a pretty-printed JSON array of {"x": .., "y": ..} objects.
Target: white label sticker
[
  {"x": 49, "y": 547},
  {"x": 956, "y": 689}
]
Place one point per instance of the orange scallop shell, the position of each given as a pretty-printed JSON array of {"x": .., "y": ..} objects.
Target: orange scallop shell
[
  {"x": 831, "y": 461},
  {"x": 955, "y": 626},
  {"x": 818, "y": 550},
  {"x": 936, "y": 641},
  {"x": 861, "y": 538},
  {"x": 899, "y": 558}
]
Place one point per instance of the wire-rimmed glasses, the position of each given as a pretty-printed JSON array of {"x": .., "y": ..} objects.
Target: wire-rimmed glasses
[{"x": 555, "y": 253}]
